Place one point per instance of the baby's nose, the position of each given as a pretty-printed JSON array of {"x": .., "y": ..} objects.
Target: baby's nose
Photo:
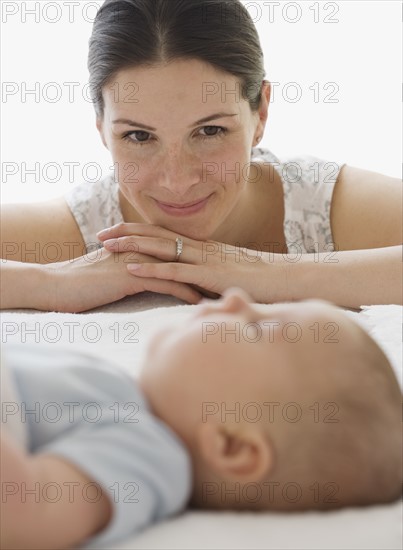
[{"x": 236, "y": 299}]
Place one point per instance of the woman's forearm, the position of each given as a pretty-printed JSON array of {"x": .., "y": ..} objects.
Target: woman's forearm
[
  {"x": 350, "y": 278},
  {"x": 24, "y": 285}
]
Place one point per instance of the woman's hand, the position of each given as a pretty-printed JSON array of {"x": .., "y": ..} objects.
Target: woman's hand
[
  {"x": 209, "y": 266},
  {"x": 101, "y": 277}
]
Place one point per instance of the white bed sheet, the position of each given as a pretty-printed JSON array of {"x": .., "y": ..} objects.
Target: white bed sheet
[{"x": 120, "y": 332}]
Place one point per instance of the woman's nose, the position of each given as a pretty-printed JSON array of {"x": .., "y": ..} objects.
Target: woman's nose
[{"x": 178, "y": 172}]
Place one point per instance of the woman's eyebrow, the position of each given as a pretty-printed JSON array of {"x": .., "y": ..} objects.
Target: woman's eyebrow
[
  {"x": 140, "y": 125},
  {"x": 213, "y": 117}
]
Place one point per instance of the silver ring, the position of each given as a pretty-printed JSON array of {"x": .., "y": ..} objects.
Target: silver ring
[{"x": 179, "y": 248}]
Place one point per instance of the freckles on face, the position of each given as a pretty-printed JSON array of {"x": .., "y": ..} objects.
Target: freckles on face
[{"x": 173, "y": 160}]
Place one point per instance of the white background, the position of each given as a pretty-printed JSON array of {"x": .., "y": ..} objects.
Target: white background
[{"x": 361, "y": 53}]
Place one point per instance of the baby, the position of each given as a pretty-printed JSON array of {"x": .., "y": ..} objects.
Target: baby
[{"x": 292, "y": 407}]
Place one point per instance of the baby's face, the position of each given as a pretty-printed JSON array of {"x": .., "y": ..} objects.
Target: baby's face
[
  {"x": 231, "y": 350},
  {"x": 222, "y": 379}
]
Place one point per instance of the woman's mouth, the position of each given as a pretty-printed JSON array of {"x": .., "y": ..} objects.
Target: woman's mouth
[{"x": 185, "y": 209}]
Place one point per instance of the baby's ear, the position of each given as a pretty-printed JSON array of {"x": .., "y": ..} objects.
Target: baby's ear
[{"x": 236, "y": 453}]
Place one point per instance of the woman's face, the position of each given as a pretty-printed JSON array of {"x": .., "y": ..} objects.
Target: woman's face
[{"x": 167, "y": 157}]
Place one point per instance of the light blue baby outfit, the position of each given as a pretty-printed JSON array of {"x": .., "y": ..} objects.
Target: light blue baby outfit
[{"x": 96, "y": 417}]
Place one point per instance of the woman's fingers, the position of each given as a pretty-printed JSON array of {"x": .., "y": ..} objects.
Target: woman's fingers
[
  {"x": 158, "y": 247},
  {"x": 155, "y": 241},
  {"x": 197, "y": 276},
  {"x": 126, "y": 229},
  {"x": 179, "y": 290}
]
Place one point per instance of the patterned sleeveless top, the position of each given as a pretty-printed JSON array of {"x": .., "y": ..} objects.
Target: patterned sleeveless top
[{"x": 308, "y": 184}]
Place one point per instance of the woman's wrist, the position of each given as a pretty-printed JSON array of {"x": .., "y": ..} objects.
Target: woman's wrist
[
  {"x": 26, "y": 286},
  {"x": 290, "y": 279},
  {"x": 276, "y": 279},
  {"x": 300, "y": 278}
]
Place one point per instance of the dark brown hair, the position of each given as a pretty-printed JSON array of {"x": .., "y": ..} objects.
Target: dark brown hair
[{"x": 129, "y": 33}]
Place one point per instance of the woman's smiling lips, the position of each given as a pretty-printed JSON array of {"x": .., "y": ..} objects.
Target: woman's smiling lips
[{"x": 183, "y": 210}]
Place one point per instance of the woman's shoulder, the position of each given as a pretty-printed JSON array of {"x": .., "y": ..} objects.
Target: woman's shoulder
[
  {"x": 261, "y": 153},
  {"x": 303, "y": 170},
  {"x": 95, "y": 206},
  {"x": 93, "y": 188},
  {"x": 308, "y": 185}
]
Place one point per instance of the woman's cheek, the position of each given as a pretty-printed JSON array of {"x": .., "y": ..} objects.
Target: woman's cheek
[{"x": 127, "y": 166}]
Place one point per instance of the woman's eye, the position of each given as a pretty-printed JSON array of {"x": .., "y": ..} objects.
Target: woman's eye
[
  {"x": 218, "y": 131},
  {"x": 139, "y": 136}
]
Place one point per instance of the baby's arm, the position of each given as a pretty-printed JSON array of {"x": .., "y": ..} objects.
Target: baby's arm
[{"x": 38, "y": 522}]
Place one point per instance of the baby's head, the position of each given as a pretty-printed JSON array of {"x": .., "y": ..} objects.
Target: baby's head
[{"x": 287, "y": 407}]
